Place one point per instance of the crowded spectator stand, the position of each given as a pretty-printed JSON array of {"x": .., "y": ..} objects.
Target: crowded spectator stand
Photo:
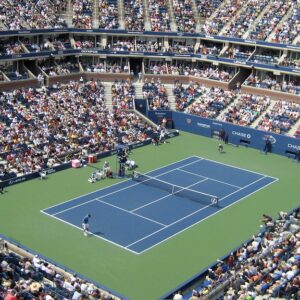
[
  {"x": 26, "y": 274},
  {"x": 267, "y": 265}
]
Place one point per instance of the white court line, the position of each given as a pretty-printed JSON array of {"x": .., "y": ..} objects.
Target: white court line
[
  {"x": 130, "y": 212},
  {"x": 236, "y": 186},
  {"x": 236, "y": 167},
  {"x": 154, "y": 245},
  {"x": 169, "y": 225},
  {"x": 122, "y": 182},
  {"x": 113, "y": 192},
  {"x": 90, "y": 233},
  {"x": 170, "y": 195},
  {"x": 73, "y": 207},
  {"x": 145, "y": 237},
  {"x": 171, "y": 236}
]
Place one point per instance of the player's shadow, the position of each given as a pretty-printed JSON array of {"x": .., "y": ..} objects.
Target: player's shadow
[{"x": 98, "y": 233}]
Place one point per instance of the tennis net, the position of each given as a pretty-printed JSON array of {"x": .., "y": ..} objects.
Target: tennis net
[{"x": 176, "y": 190}]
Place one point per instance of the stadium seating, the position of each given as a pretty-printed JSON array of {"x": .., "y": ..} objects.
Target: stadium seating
[
  {"x": 243, "y": 22},
  {"x": 207, "y": 8},
  {"x": 222, "y": 16},
  {"x": 281, "y": 118},
  {"x": 211, "y": 102},
  {"x": 82, "y": 13},
  {"x": 49, "y": 125},
  {"x": 27, "y": 276},
  {"x": 184, "y": 16},
  {"x": 108, "y": 14},
  {"x": 24, "y": 114},
  {"x": 123, "y": 94},
  {"x": 247, "y": 109},
  {"x": 156, "y": 95},
  {"x": 276, "y": 11},
  {"x": 290, "y": 29},
  {"x": 185, "y": 96},
  {"x": 159, "y": 15},
  {"x": 265, "y": 266},
  {"x": 134, "y": 15}
]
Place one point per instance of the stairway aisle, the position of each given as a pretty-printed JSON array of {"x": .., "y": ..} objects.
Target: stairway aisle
[
  {"x": 138, "y": 90},
  {"x": 171, "y": 97},
  {"x": 108, "y": 95},
  {"x": 294, "y": 128}
]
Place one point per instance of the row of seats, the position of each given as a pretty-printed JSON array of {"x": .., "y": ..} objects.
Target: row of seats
[
  {"x": 184, "y": 96},
  {"x": 134, "y": 15},
  {"x": 159, "y": 15},
  {"x": 290, "y": 29},
  {"x": 222, "y": 16},
  {"x": 276, "y": 11}
]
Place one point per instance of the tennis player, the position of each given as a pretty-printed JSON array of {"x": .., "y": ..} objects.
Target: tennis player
[
  {"x": 135, "y": 175},
  {"x": 85, "y": 224},
  {"x": 220, "y": 148}
]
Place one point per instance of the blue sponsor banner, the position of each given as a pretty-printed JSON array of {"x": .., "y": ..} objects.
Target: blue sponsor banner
[
  {"x": 141, "y": 106},
  {"x": 26, "y": 177},
  {"x": 157, "y": 115},
  {"x": 33, "y": 31},
  {"x": 28, "y": 55},
  {"x": 112, "y": 31},
  {"x": 238, "y": 135}
]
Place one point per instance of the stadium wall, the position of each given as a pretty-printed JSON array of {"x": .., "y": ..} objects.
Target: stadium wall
[{"x": 238, "y": 135}]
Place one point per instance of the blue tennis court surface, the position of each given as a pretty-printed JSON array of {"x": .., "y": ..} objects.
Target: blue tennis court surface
[{"x": 137, "y": 217}]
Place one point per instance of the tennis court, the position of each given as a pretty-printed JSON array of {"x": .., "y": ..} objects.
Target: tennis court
[{"x": 139, "y": 214}]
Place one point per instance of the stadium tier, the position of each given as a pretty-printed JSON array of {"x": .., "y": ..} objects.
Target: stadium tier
[{"x": 83, "y": 80}]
